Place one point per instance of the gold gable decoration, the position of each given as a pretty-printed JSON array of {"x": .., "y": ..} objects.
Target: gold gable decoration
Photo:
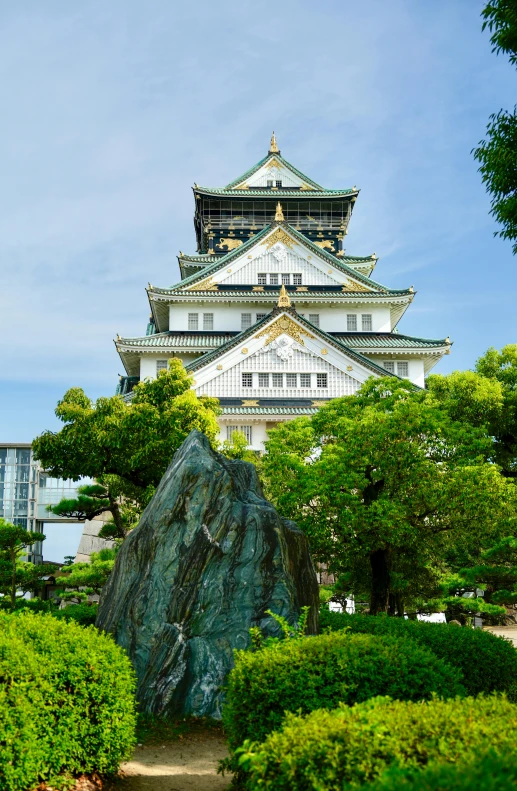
[
  {"x": 284, "y": 326},
  {"x": 283, "y": 299},
  {"x": 305, "y": 186},
  {"x": 279, "y": 236},
  {"x": 204, "y": 285},
  {"x": 279, "y": 213},
  {"x": 273, "y": 163},
  {"x": 353, "y": 285}
]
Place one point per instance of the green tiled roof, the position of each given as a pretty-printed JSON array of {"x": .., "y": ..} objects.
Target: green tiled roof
[
  {"x": 269, "y": 410},
  {"x": 281, "y": 192},
  {"x": 170, "y": 340},
  {"x": 269, "y": 296},
  {"x": 282, "y": 161},
  {"x": 386, "y": 340}
]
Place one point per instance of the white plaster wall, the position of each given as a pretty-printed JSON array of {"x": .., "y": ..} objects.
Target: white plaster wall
[
  {"x": 258, "y": 431},
  {"x": 415, "y": 365},
  {"x": 148, "y": 362},
  {"x": 291, "y": 263},
  {"x": 228, "y": 317}
]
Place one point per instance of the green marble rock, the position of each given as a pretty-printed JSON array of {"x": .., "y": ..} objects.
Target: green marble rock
[{"x": 208, "y": 558}]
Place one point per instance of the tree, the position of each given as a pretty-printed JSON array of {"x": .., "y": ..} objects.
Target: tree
[
  {"x": 486, "y": 397},
  {"x": 80, "y": 580},
  {"x": 497, "y": 154},
  {"x": 126, "y": 446},
  {"x": 15, "y": 575},
  {"x": 385, "y": 484},
  {"x": 237, "y": 448}
]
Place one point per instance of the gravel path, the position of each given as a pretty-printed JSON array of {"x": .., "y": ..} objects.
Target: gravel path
[{"x": 186, "y": 764}]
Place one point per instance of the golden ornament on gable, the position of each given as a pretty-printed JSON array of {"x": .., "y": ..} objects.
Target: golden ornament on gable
[
  {"x": 284, "y": 326},
  {"x": 279, "y": 235}
]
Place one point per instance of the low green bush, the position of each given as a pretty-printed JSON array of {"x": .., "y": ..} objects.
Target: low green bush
[
  {"x": 487, "y": 663},
  {"x": 319, "y": 672},
  {"x": 84, "y": 614},
  {"x": 489, "y": 773},
  {"x": 66, "y": 701},
  {"x": 327, "y": 750}
]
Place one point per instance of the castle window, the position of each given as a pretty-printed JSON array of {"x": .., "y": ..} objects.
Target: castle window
[
  {"x": 403, "y": 369},
  {"x": 351, "y": 322},
  {"x": 321, "y": 380},
  {"x": 305, "y": 380},
  {"x": 246, "y": 430},
  {"x": 314, "y": 318},
  {"x": 261, "y": 316},
  {"x": 297, "y": 280},
  {"x": 286, "y": 279},
  {"x": 262, "y": 279},
  {"x": 278, "y": 183},
  {"x": 273, "y": 280},
  {"x": 263, "y": 380},
  {"x": 389, "y": 366},
  {"x": 161, "y": 365},
  {"x": 290, "y": 380},
  {"x": 208, "y": 321},
  {"x": 245, "y": 321},
  {"x": 247, "y": 380},
  {"x": 278, "y": 380},
  {"x": 270, "y": 183},
  {"x": 366, "y": 322},
  {"x": 193, "y": 321}
]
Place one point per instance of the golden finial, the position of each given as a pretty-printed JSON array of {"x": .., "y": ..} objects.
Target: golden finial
[
  {"x": 283, "y": 299},
  {"x": 411, "y": 289},
  {"x": 273, "y": 148},
  {"x": 279, "y": 214},
  {"x": 118, "y": 337},
  {"x": 447, "y": 340}
]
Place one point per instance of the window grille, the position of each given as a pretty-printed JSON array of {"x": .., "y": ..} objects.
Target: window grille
[
  {"x": 247, "y": 380},
  {"x": 161, "y": 365},
  {"x": 403, "y": 369},
  {"x": 297, "y": 280},
  {"x": 366, "y": 322},
  {"x": 321, "y": 380},
  {"x": 270, "y": 182},
  {"x": 208, "y": 321},
  {"x": 389, "y": 366},
  {"x": 263, "y": 380},
  {"x": 246, "y": 430},
  {"x": 305, "y": 380},
  {"x": 286, "y": 279},
  {"x": 278, "y": 183},
  {"x": 273, "y": 280},
  {"x": 314, "y": 318},
  {"x": 351, "y": 322},
  {"x": 245, "y": 321},
  {"x": 262, "y": 279},
  {"x": 193, "y": 321},
  {"x": 230, "y": 430},
  {"x": 290, "y": 380},
  {"x": 261, "y": 316},
  {"x": 278, "y": 380}
]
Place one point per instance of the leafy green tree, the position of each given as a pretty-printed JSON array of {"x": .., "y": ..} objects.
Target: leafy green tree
[
  {"x": 91, "y": 501},
  {"x": 16, "y": 575},
  {"x": 80, "y": 580},
  {"x": 497, "y": 154},
  {"x": 126, "y": 446},
  {"x": 237, "y": 448},
  {"x": 385, "y": 483}
]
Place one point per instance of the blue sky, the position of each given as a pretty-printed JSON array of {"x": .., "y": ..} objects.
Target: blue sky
[{"x": 111, "y": 111}]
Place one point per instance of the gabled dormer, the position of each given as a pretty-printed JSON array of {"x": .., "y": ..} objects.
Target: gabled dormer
[{"x": 227, "y": 217}]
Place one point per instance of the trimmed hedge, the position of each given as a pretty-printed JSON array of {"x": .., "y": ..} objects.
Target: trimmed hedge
[
  {"x": 84, "y": 614},
  {"x": 488, "y": 663},
  {"x": 328, "y": 749},
  {"x": 316, "y": 672},
  {"x": 66, "y": 701},
  {"x": 489, "y": 773}
]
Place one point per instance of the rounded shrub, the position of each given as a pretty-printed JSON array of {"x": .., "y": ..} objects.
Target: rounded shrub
[
  {"x": 490, "y": 773},
  {"x": 66, "y": 701},
  {"x": 488, "y": 663},
  {"x": 319, "y": 672},
  {"x": 354, "y": 745},
  {"x": 84, "y": 614}
]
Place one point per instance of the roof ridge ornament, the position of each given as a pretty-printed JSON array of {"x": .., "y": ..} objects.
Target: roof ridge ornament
[
  {"x": 273, "y": 147},
  {"x": 279, "y": 214},
  {"x": 284, "y": 300}
]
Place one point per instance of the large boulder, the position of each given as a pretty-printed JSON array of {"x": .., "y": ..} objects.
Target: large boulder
[{"x": 208, "y": 558}]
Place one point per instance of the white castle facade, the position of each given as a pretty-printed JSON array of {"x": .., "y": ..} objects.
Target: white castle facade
[{"x": 271, "y": 315}]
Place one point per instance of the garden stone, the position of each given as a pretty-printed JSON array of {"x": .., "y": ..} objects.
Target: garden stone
[{"x": 208, "y": 558}]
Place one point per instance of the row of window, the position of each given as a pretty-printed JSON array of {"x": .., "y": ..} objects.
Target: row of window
[
  {"x": 352, "y": 321},
  {"x": 400, "y": 368},
  {"x": 246, "y": 430},
  {"x": 275, "y": 279},
  {"x": 291, "y": 380}
]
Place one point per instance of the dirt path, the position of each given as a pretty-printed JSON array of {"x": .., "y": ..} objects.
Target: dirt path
[
  {"x": 185, "y": 764},
  {"x": 510, "y": 632}
]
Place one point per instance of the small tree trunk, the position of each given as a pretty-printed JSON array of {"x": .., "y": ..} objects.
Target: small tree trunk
[
  {"x": 400, "y": 606},
  {"x": 380, "y": 562},
  {"x": 13, "y": 581},
  {"x": 117, "y": 517}
]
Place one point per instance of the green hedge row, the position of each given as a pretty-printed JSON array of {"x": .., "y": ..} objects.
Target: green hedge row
[
  {"x": 326, "y": 750},
  {"x": 487, "y": 663},
  {"x": 317, "y": 672},
  {"x": 84, "y": 614},
  {"x": 66, "y": 701},
  {"x": 489, "y": 773}
]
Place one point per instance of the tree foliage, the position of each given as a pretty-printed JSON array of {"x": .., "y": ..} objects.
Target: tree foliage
[
  {"x": 81, "y": 580},
  {"x": 15, "y": 574},
  {"x": 386, "y": 484},
  {"x": 497, "y": 154}
]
